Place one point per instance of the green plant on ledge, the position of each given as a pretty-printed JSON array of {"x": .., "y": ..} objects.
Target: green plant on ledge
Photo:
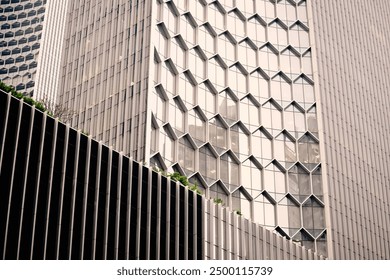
[
  {"x": 238, "y": 212},
  {"x": 218, "y": 201}
]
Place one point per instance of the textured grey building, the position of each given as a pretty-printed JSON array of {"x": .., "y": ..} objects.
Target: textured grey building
[
  {"x": 220, "y": 91},
  {"x": 353, "y": 81},
  {"x": 66, "y": 196},
  {"x": 31, "y": 36}
]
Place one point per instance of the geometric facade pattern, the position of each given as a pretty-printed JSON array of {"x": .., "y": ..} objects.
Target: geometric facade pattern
[
  {"x": 233, "y": 108},
  {"x": 66, "y": 196},
  {"x": 20, "y": 35}
]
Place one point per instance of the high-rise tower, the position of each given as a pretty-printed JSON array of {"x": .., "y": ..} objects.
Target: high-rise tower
[
  {"x": 220, "y": 91},
  {"x": 31, "y": 45}
]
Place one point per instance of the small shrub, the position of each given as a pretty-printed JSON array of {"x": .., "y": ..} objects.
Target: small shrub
[{"x": 218, "y": 201}]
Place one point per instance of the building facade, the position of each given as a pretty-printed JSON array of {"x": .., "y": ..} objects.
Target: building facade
[
  {"x": 353, "y": 82},
  {"x": 219, "y": 91},
  {"x": 31, "y": 40},
  {"x": 66, "y": 196}
]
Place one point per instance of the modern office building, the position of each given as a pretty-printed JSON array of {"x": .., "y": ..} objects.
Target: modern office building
[
  {"x": 276, "y": 109},
  {"x": 66, "y": 196},
  {"x": 353, "y": 81},
  {"x": 31, "y": 44},
  {"x": 220, "y": 91}
]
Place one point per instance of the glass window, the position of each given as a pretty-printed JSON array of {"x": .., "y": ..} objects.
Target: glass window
[
  {"x": 309, "y": 152},
  {"x": 264, "y": 212},
  {"x": 284, "y": 150},
  {"x": 306, "y": 63},
  {"x": 258, "y": 86},
  {"x": 168, "y": 78},
  {"x": 186, "y": 155},
  {"x": 217, "y": 133},
  {"x": 274, "y": 181},
  {"x": 227, "y": 106},
  {"x": 219, "y": 194},
  {"x": 167, "y": 146},
  {"x": 249, "y": 114},
  {"x": 196, "y": 64},
  {"x": 251, "y": 178},
  {"x": 206, "y": 40},
  {"x": 256, "y": 31},
  {"x": 187, "y": 29},
  {"x": 216, "y": 74},
  {"x": 294, "y": 120},
  {"x": 169, "y": 18},
  {"x": 235, "y": 25},
  {"x": 313, "y": 217},
  {"x": 299, "y": 183},
  {"x": 239, "y": 141},
  {"x": 186, "y": 90},
  {"x": 207, "y": 164},
  {"x": 277, "y": 34},
  {"x": 241, "y": 203},
  {"x": 246, "y": 6},
  {"x": 177, "y": 53},
  {"x": 197, "y": 10},
  {"x": 299, "y": 37},
  {"x": 237, "y": 81},
  {"x": 216, "y": 17},
  {"x": 176, "y": 116},
  {"x": 247, "y": 55},
  {"x": 317, "y": 183},
  {"x": 290, "y": 63},
  {"x": 281, "y": 90},
  {"x": 303, "y": 92},
  {"x": 196, "y": 125},
  {"x": 229, "y": 171},
  {"x": 289, "y": 216},
  {"x": 261, "y": 147},
  {"x": 206, "y": 99},
  {"x": 271, "y": 117},
  {"x": 226, "y": 48},
  {"x": 268, "y": 60},
  {"x": 312, "y": 124}
]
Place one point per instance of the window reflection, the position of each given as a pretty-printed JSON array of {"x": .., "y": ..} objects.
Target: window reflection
[
  {"x": 207, "y": 164},
  {"x": 247, "y": 54},
  {"x": 176, "y": 116},
  {"x": 258, "y": 86},
  {"x": 249, "y": 114},
  {"x": 216, "y": 73},
  {"x": 312, "y": 123},
  {"x": 227, "y": 106},
  {"x": 226, "y": 47},
  {"x": 196, "y": 64},
  {"x": 264, "y": 212},
  {"x": 217, "y": 133},
  {"x": 167, "y": 146},
  {"x": 268, "y": 59},
  {"x": 206, "y": 40},
  {"x": 309, "y": 153},
  {"x": 294, "y": 120},
  {"x": 261, "y": 146},
  {"x": 241, "y": 203},
  {"x": 186, "y": 155},
  {"x": 229, "y": 171},
  {"x": 281, "y": 89},
  {"x": 271, "y": 117},
  {"x": 251, "y": 177},
  {"x": 186, "y": 90},
  {"x": 256, "y": 30},
  {"x": 187, "y": 29},
  {"x": 239, "y": 141},
  {"x": 177, "y": 53},
  {"x": 303, "y": 92},
  {"x": 197, "y": 126},
  {"x": 284, "y": 149},
  {"x": 277, "y": 34},
  {"x": 216, "y": 17},
  {"x": 274, "y": 181},
  {"x": 206, "y": 99},
  {"x": 289, "y": 216},
  {"x": 313, "y": 217},
  {"x": 218, "y": 193},
  {"x": 299, "y": 37},
  {"x": 235, "y": 24},
  {"x": 299, "y": 182}
]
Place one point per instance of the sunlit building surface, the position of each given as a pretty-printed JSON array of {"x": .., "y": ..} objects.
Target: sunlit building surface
[
  {"x": 31, "y": 44},
  {"x": 219, "y": 91}
]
